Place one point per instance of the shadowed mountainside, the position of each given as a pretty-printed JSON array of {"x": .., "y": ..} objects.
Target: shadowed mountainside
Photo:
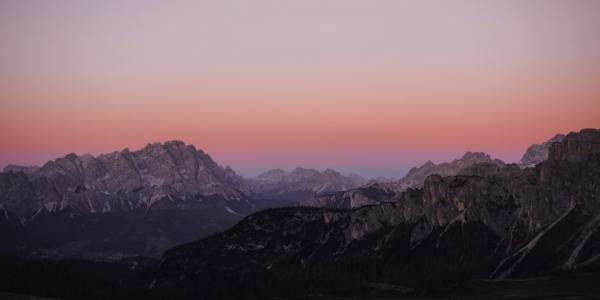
[{"x": 503, "y": 224}]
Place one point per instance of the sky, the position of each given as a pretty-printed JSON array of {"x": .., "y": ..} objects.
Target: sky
[{"x": 372, "y": 87}]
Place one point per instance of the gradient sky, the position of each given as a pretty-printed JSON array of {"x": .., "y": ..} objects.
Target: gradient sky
[{"x": 373, "y": 87}]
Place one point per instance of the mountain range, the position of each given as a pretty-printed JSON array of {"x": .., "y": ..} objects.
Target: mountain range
[
  {"x": 501, "y": 222},
  {"x": 120, "y": 204},
  {"x": 301, "y": 184},
  {"x": 167, "y": 194},
  {"x": 153, "y": 198},
  {"x": 433, "y": 231},
  {"x": 385, "y": 191}
]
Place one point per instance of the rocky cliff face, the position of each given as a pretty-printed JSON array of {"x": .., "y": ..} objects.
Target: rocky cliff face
[
  {"x": 538, "y": 153},
  {"x": 499, "y": 223},
  {"x": 171, "y": 179},
  {"x": 416, "y": 176},
  {"x": 385, "y": 191},
  {"x": 155, "y": 198},
  {"x": 301, "y": 184},
  {"x": 156, "y": 176}
]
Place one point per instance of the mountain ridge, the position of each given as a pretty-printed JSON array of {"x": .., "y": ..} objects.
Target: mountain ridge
[
  {"x": 301, "y": 183},
  {"x": 158, "y": 196},
  {"x": 376, "y": 192},
  {"x": 516, "y": 222},
  {"x": 538, "y": 153},
  {"x": 154, "y": 173}
]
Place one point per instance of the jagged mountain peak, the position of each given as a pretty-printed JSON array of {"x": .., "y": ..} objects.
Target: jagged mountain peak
[
  {"x": 131, "y": 179},
  {"x": 538, "y": 153},
  {"x": 71, "y": 156},
  {"x": 176, "y": 143},
  {"x": 298, "y": 173},
  {"x": 475, "y": 155},
  {"x": 168, "y": 145},
  {"x": 158, "y": 196},
  {"x": 301, "y": 183},
  {"x": 576, "y": 146},
  {"x": 427, "y": 164},
  {"x": 383, "y": 191},
  {"x": 417, "y": 175}
]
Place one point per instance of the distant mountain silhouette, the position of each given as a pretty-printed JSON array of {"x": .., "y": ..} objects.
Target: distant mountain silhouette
[{"x": 301, "y": 184}]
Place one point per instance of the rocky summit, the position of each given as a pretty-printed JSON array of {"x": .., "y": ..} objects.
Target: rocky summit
[
  {"x": 155, "y": 177},
  {"x": 499, "y": 222},
  {"x": 154, "y": 198},
  {"x": 377, "y": 192},
  {"x": 416, "y": 176},
  {"x": 301, "y": 184},
  {"x": 158, "y": 196},
  {"x": 538, "y": 153}
]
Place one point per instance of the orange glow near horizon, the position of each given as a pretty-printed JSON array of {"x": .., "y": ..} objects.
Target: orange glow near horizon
[{"x": 308, "y": 85}]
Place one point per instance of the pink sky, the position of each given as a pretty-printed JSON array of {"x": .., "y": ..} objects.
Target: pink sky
[{"x": 373, "y": 87}]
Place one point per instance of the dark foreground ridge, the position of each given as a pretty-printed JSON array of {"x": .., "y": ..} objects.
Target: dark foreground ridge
[{"x": 497, "y": 223}]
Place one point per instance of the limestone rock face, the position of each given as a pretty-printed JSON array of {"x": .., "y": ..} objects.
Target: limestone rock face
[
  {"x": 495, "y": 222},
  {"x": 416, "y": 176},
  {"x": 122, "y": 181},
  {"x": 538, "y": 153},
  {"x": 469, "y": 163},
  {"x": 576, "y": 147},
  {"x": 159, "y": 196}
]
